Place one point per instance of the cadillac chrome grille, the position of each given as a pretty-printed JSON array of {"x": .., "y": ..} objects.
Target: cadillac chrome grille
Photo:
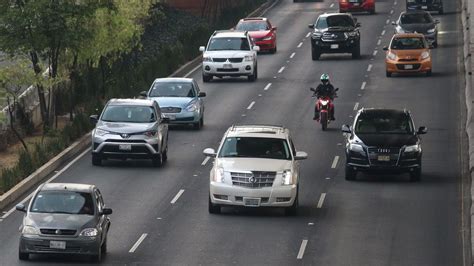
[{"x": 256, "y": 179}]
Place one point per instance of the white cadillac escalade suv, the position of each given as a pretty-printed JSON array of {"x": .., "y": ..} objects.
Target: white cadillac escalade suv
[
  {"x": 255, "y": 165},
  {"x": 229, "y": 53}
]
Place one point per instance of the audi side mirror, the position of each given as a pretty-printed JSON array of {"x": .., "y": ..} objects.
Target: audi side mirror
[
  {"x": 422, "y": 130},
  {"x": 210, "y": 152},
  {"x": 93, "y": 119},
  {"x": 346, "y": 129},
  {"x": 301, "y": 155},
  {"x": 202, "y": 94},
  {"x": 202, "y": 48},
  {"x": 20, "y": 207}
]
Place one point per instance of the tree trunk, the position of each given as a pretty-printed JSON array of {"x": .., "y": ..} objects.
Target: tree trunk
[
  {"x": 10, "y": 112},
  {"x": 39, "y": 87}
]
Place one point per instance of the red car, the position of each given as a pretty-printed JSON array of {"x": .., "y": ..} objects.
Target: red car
[
  {"x": 357, "y": 6},
  {"x": 261, "y": 31}
]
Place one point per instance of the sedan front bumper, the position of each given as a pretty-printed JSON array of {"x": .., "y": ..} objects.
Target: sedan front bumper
[{"x": 42, "y": 245}]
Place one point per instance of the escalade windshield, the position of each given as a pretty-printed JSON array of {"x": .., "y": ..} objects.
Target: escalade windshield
[
  {"x": 384, "y": 123},
  {"x": 220, "y": 44},
  {"x": 250, "y": 147},
  {"x": 334, "y": 21}
]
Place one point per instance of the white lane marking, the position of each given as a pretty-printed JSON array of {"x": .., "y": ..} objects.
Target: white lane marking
[
  {"x": 369, "y": 68},
  {"x": 362, "y": 87},
  {"x": 250, "y": 105},
  {"x": 281, "y": 69},
  {"x": 391, "y": 11},
  {"x": 205, "y": 160},
  {"x": 321, "y": 200},
  {"x": 388, "y": 21},
  {"x": 446, "y": 32},
  {"x": 331, "y": 5},
  {"x": 302, "y": 248},
  {"x": 379, "y": 42},
  {"x": 307, "y": 35},
  {"x": 292, "y": 55},
  {"x": 139, "y": 241},
  {"x": 47, "y": 181},
  {"x": 192, "y": 71},
  {"x": 375, "y": 53},
  {"x": 395, "y": 3},
  {"x": 383, "y": 33},
  {"x": 299, "y": 45},
  {"x": 356, "y": 106},
  {"x": 267, "y": 87},
  {"x": 334, "y": 163},
  {"x": 180, "y": 192}
]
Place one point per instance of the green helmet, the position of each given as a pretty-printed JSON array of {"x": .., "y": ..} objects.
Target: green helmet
[{"x": 324, "y": 78}]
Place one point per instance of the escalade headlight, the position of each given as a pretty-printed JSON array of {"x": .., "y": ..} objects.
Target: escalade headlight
[
  {"x": 287, "y": 178},
  {"x": 219, "y": 175},
  {"x": 391, "y": 56},
  {"x": 413, "y": 148},
  {"x": 101, "y": 132},
  {"x": 425, "y": 55},
  {"x": 431, "y": 30},
  {"x": 89, "y": 232},
  {"x": 248, "y": 58},
  {"x": 356, "y": 148},
  {"x": 29, "y": 230},
  {"x": 207, "y": 59}
]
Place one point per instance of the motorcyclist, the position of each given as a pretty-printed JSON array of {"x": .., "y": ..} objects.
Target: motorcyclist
[{"x": 325, "y": 89}]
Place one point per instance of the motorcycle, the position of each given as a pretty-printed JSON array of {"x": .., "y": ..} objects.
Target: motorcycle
[{"x": 323, "y": 104}]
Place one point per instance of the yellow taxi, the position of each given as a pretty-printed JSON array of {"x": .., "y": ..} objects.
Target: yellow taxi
[{"x": 408, "y": 53}]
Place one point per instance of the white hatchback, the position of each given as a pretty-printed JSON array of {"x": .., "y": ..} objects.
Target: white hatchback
[{"x": 255, "y": 165}]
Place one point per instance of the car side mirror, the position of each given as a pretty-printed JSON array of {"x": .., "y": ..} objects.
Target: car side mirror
[
  {"x": 274, "y": 28},
  {"x": 20, "y": 207},
  {"x": 106, "y": 211},
  {"x": 210, "y": 152},
  {"x": 93, "y": 119},
  {"x": 346, "y": 129},
  {"x": 311, "y": 26},
  {"x": 436, "y": 21},
  {"x": 422, "y": 130},
  {"x": 165, "y": 120},
  {"x": 358, "y": 25},
  {"x": 385, "y": 48},
  {"x": 336, "y": 89},
  {"x": 394, "y": 23},
  {"x": 202, "y": 94},
  {"x": 202, "y": 48},
  {"x": 301, "y": 155},
  {"x": 256, "y": 48},
  {"x": 143, "y": 94}
]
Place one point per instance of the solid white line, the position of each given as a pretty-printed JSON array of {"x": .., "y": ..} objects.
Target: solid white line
[
  {"x": 356, "y": 106},
  {"x": 267, "y": 87},
  {"x": 331, "y": 5},
  {"x": 47, "y": 181},
  {"x": 379, "y": 41},
  {"x": 362, "y": 87},
  {"x": 302, "y": 248},
  {"x": 180, "y": 192},
  {"x": 383, "y": 33},
  {"x": 281, "y": 69},
  {"x": 139, "y": 241},
  {"x": 388, "y": 21},
  {"x": 192, "y": 71},
  {"x": 375, "y": 53},
  {"x": 205, "y": 160},
  {"x": 321, "y": 200},
  {"x": 299, "y": 45},
  {"x": 292, "y": 55},
  {"x": 334, "y": 163},
  {"x": 369, "y": 68},
  {"x": 251, "y": 105}
]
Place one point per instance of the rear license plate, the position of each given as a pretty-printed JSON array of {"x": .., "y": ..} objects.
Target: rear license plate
[
  {"x": 334, "y": 46},
  {"x": 57, "y": 244},
  {"x": 424, "y": 7},
  {"x": 408, "y": 66},
  {"x": 355, "y": 4},
  {"x": 227, "y": 65},
  {"x": 383, "y": 158},
  {"x": 125, "y": 147},
  {"x": 171, "y": 117},
  {"x": 251, "y": 202}
]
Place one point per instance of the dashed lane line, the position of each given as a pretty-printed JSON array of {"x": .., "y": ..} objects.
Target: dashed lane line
[
  {"x": 375, "y": 53},
  {"x": 292, "y": 55},
  {"x": 281, "y": 69},
  {"x": 205, "y": 160},
  {"x": 302, "y": 249},
  {"x": 251, "y": 105},
  {"x": 334, "y": 162},
  {"x": 383, "y": 33},
  {"x": 379, "y": 42},
  {"x": 369, "y": 68},
  {"x": 362, "y": 87},
  {"x": 391, "y": 11},
  {"x": 300, "y": 44},
  {"x": 139, "y": 241},
  {"x": 307, "y": 35},
  {"x": 175, "y": 199},
  {"x": 356, "y": 106},
  {"x": 267, "y": 87},
  {"x": 388, "y": 21},
  {"x": 332, "y": 5},
  {"x": 321, "y": 200}
]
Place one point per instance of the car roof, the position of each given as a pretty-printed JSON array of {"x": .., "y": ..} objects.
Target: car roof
[
  {"x": 258, "y": 131},
  {"x": 67, "y": 187},
  {"x": 407, "y": 35},
  {"x": 174, "y": 79},
  {"x": 335, "y": 13},
  {"x": 229, "y": 33},
  {"x": 415, "y": 12},
  {"x": 132, "y": 102},
  {"x": 254, "y": 19},
  {"x": 370, "y": 111}
]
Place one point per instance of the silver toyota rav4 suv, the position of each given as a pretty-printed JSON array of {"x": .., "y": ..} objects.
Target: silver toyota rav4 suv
[{"x": 130, "y": 128}]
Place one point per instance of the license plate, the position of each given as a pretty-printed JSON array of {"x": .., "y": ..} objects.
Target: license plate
[
  {"x": 408, "y": 66},
  {"x": 383, "y": 158},
  {"x": 125, "y": 147},
  {"x": 424, "y": 7},
  {"x": 355, "y": 4},
  {"x": 227, "y": 65},
  {"x": 251, "y": 202},
  {"x": 334, "y": 46},
  {"x": 171, "y": 117},
  {"x": 57, "y": 244}
]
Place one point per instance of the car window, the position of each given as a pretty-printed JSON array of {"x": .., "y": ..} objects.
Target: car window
[
  {"x": 384, "y": 123},
  {"x": 129, "y": 114},
  {"x": 230, "y": 43},
  {"x": 407, "y": 43},
  {"x": 334, "y": 21},
  {"x": 252, "y": 26},
  {"x": 254, "y": 147},
  {"x": 67, "y": 202},
  {"x": 415, "y": 18},
  {"x": 172, "y": 89}
]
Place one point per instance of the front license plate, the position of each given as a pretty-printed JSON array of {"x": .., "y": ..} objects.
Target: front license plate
[
  {"x": 171, "y": 117},
  {"x": 424, "y": 7},
  {"x": 383, "y": 158},
  {"x": 251, "y": 202},
  {"x": 408, "y": 66},
  {"x": 125, "y": 147},
  {"x": 334, "y": 46},
  {"x": 227, "y": 65},
  {"x": 57, "y": 244}
]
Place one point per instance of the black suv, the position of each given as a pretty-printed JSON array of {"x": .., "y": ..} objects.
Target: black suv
[
  {"x": 427, "y": 5},
  {"x": 335, "y": 33},
  {"x": 383, "y": 140}
]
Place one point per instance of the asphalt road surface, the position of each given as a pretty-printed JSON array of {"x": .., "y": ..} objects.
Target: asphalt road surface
[{"x": 160, "y": 214}]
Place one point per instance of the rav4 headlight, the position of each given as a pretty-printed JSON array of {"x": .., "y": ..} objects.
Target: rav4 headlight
[
  {"x": 89, "y": 232},
  {"x": 219, "y": 175},
  {"x": 425, "y": 55},
  {"x": 287, "y": 177},
  {"x": 413, "y": 148},
  {"x": 101, "y": 132},
  {"x": 29, "y": 230},
  {"x": 391, "y": 56},
  {"x": 248, "y": 58},
  {"x": 150, "y": 134}
]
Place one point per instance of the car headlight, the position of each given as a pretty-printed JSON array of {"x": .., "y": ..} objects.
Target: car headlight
[
  {"x": 413, "y": 148},
  {"x": 89, "y": 232},
  {"x": 207, "y": 59},
  {"x": 356, "y": 147},
  {"x": 267, "y": 38},
  {"x": 317, "y": 35},
  {"x": 248, "y": 58},
  {"x": 287, "y": 178},
  {"x": 425, "y": 55},
  {"x": 192, "y": 107},
  {"x": 29, "y": 230},
  {"x": 150, "y": 133},
  {"x": 219, "y": 175},
  {"x": 391, "y": 56},
  {"x": 351, "y": 34},
  {"x": 431, "y": 30},
  {"x": 399, "y": 29},
  {"x": 101, "y": 132}
]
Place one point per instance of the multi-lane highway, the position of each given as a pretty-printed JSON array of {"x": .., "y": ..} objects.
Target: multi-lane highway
[{"x": 160, "y": 214}]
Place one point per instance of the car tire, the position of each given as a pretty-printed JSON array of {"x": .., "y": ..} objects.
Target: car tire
[
  {"x": 315, "y": 53},
  {"x": 372, "y": 11},
  {"x": 23, "y": 255},
  {"x": 214, "y": 209},
  {"x": 293, "y": 209},
  {"x": 253, "y": 77},
  {"x": 429, "y": 73},
  {"x": 97, "y": 258},
  {"x": 350, "y": 173},
  {"x": 388, "y": 74},
  {"x": 206, "y": 78},
  {"x": 164, "y": 154},
  {"x": 157, "y": 161},
  {"x": 96, "y": 160},
  {"x": 273, "y": 50},
  {"x": 435, "y": 44},
  {"x": 415, "y": 176},
  {"x": 198, "y": 125},
  {"x": 356, "y": 52},
  {"x": 440, "y": 11}
]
